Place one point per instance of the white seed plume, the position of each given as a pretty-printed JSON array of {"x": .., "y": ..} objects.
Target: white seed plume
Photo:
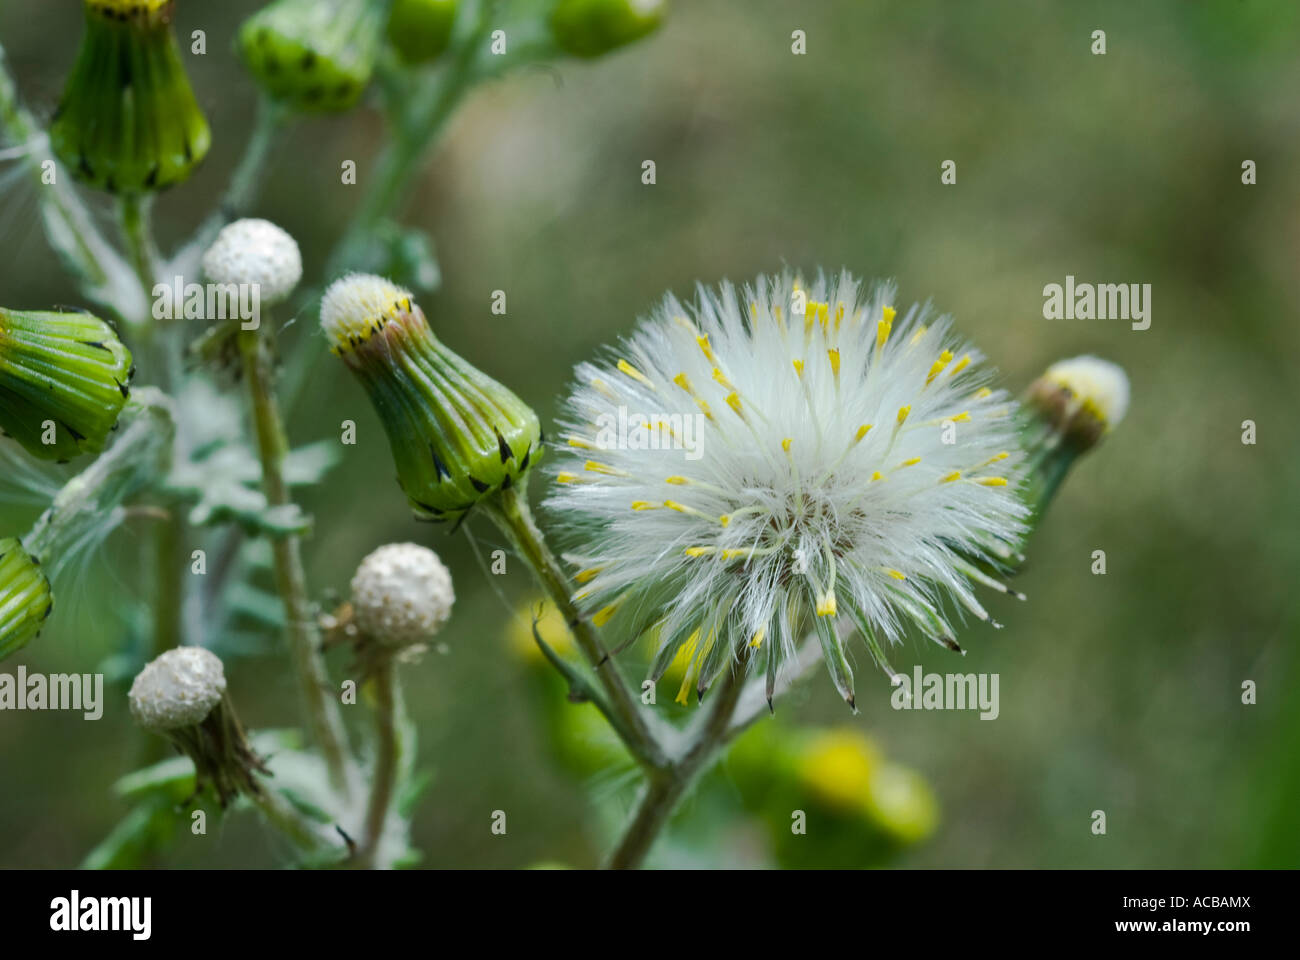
[
  {"x": 402, "y": 594},
  {"x": 255, "y": 252},
  {"x": 766, "y": 461},
  {"x": 1094, "y": 382},
  {"x": 178, "y": 689}
]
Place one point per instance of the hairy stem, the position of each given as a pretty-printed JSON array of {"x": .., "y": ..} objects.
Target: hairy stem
[
  {"x": 291, "y": 581},
  {"x": 511, "y": 513},
  {"x": 666, "y": 787},
  {"x": 384, "y": 776}
]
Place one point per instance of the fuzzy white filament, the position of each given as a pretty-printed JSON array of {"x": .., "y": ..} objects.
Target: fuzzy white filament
[
  {"x": 257, "y": 253},
  {"x": 765, "y": 461},
  {"x": 178, "y": 689},
  {"x": 402, "y": 594}
]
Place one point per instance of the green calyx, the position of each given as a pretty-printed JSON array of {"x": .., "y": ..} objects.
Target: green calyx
[
  {"x": 456, "y": 434},
  {"x": 313, "y": 55},
  {"x": 420, "y": 30},
  {"x": 63, "y": 382},
  {"x": 591, "y": 28},
  {"x": 26, "y": 601},
  {"x": 128, "y": 122}
]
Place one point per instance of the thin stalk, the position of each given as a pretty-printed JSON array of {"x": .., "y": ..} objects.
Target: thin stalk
[
  {"x": 384, "y": 776},
  {"x": 510, "y": 512},
  {"x": 665, "y": 788},
  {"x": 241, "y": 191},
  {"x": 290, "y": 577},
  {"x": 134, "y": 212},
  {"x": 414, "y": 129}
]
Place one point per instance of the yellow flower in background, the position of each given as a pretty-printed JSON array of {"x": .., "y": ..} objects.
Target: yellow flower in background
[
  {"x": 846, "y": 770},
  {"x": 837, "y": 766},
  {"x": 902, "y": 802}
]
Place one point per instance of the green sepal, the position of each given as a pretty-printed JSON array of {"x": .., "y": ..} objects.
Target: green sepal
[
  {"x": 836, "y": 662},
  {"x": 128, "y": 121},
  {"x": 26, "y": 600},
  {"x": 64, "y": 379},
  {"x": 313, "y": 55}
]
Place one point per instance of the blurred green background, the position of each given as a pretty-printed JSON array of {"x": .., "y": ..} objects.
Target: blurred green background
[{"x": 1119, "y": 692}]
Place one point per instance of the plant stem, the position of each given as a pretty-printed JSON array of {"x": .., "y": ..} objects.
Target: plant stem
[
  {"x": 414, "y": 129},
  {"x": 241, "y": 191},
  {"x": 666, "y": 787},
  {"x": 291, "y": 580},
  {"x": 384, "y": 776},
  {"x": 134, "y": 210},
  {"x": 510, "y": 511}
]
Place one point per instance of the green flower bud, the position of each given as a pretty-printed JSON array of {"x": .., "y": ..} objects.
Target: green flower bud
[
  {"x": 25, "y": 598},
  {"x": 456, "y": 434},
  {"x": 128, "y": 122},
  {"x": 420, "y": 30},
  {"x": 63, "y": 382},
  {"x": 314, "y": 55},
  {"x": 1067, "y": 411},
  {"x": 591, "y": 28}
]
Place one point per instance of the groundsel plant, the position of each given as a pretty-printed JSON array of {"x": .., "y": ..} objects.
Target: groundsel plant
[{"x": 854, "y": 474}]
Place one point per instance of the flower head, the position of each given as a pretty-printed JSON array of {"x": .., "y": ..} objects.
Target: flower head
[
  {"x": 181, "y": 695},
  {"x": 402, "y": 595},
  {"x": 456, "y": 434},
  {"x": 128, "y": 121},
  {"x": 255, "y": 252},
  {"x": 179, "y": 689},
  {"x": 784, "y": 459},
  {"x": 1083, "y": 398},
  {"x": 313, "y": 55},
  {"x": 26, "y": 601},
  {"x": 63, "y": 381}
]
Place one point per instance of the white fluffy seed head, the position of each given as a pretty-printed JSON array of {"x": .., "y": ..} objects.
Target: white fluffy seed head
[
  {"x": 402, "y": 595},
  {"x": 767, "y": 460},
  {"x": 255, "y": 252},
  {"x": 178, "y": 689},
  {"x": 1095, "y": 382},
  {"x": 356, "y": 305}
]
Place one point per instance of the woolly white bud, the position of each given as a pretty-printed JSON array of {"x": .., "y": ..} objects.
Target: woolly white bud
[
  {"x": 255, "y": 252},
  {"x": 357, "y": 305},
  {"x": 1095, "y": 382},
  {"x": 178, "y": 689},
  {"x": 402, "y": 594}
]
